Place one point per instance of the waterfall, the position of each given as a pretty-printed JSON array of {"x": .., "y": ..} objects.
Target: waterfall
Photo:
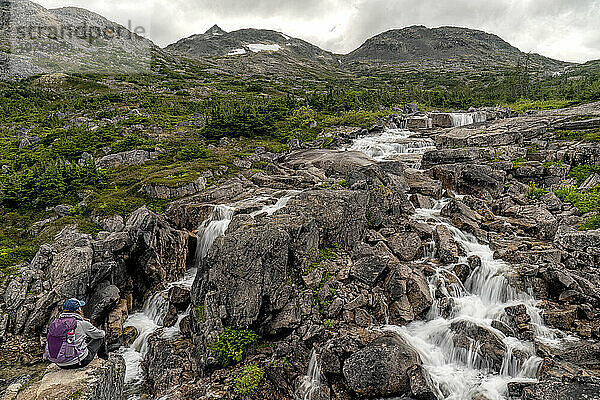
[
  {"x": 460, "y": 373},
  {"x": 212, "y": 228},
  {"x": 311, "y": 382},
  {"x": 390, "y": 144},
  {"x": 271, "y": 209},
  {"x": 151, "y": 317},
  {"x": 462, "y": 119}
]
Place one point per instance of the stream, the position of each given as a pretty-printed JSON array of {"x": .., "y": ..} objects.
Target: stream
[
  {"x": 460, "y": 374},
  {"x": 150, "y": 319}
]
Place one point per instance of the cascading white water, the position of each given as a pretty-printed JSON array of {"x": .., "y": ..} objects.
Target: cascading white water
[
  {"x": 151, "y": 318},
  {"x": 390, "y": 144},
  {"x": 311, "y": 382},
  {"x": 212, "y": 228},
  {"x": 459, "y": 373},
  {"x": 462, "y": 119},
  {"x": 271, "y": 209}
]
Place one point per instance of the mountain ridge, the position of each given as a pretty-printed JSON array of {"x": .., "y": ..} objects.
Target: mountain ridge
[
  {"x": 420, "y": 44},
  {"x": 417, "y": 45}
]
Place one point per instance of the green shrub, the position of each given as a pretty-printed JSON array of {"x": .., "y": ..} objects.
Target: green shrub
[
  {"x": 48, "y": 184},
  {"x": 233, "y": 345},
  {"x": 584, "y": 201},
  {"x": 591, "y": 223},
  {"x": 132, "y": 142},
  {"x": 535, "y": 192},
  {"x": 10, "y": 256},
  {"x": 192, "y": 151},
  {"x": 592, "y": 135},
  {"x": 582, "y": 172},
  {"x": 248, "y": 381}
]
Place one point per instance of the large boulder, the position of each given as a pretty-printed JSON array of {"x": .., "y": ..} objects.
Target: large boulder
[
  {"x": 407, "y": 246},
  {"x": 158, "y": 251},
  {"x": 169, "y": 363},
  {"x": 447, "y": 250},
  {"x": 409, "y": 294},
  {"x": 533, "y": 220},
  {"x": 380, "y": 369},
  {"x": 562, "y": 391},
  {"x": 462, "y": 216},
  {"x": 167, "y": 192},
  {"x": 572, "y": 240},
  {"x": 490, "y": 347},
  {"x": 475, "y": 137},
  {"x": 100, "y": 380},
  {"x": 421, "y": 183},
  {"x": 133, "y": 157},
  {"x": 480, "y": 181},
  {"x": 102, "y": 301},
  {"x": 332, "y": 162},
  {"x": 244, "y": 280},
  {"x": 341, "y": 215}
]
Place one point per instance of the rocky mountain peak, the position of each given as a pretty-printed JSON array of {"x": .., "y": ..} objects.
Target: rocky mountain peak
[{"x": 215, "y": 30}]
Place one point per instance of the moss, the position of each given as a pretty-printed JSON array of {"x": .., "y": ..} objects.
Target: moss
[
  {"x": 555, "y": 163},
  {"x": 199, "y": 314},
  {"x": 591, "y": 223},
  {"x": 248, "y": 381},
  {"x": 584, "y": 201},
  {"x": 78, "y": 394},
  {"x": 233, "y": 345},
  {"x": 535, "y": 192},
  {"x": 518, "y": 163},
  {"x": 369, "y": 216},
  {"x": 582, "y": 172},
  {"x": 323, "y": 254}
]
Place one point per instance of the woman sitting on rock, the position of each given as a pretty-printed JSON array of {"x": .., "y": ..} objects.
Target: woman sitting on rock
[{"x": 73, "y": 341}]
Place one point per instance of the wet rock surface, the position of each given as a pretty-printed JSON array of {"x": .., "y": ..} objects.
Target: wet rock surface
[
  {"x": 346, "y": 253},
  {"x": 380, "y": 369}
]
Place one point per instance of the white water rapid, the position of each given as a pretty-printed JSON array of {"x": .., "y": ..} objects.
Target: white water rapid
[
  {"x": 461, "y": 374},
  {"x": 462, "y": 119},
  {"x": 150, "y": 319},
  {"x": 393, "y": 144}
]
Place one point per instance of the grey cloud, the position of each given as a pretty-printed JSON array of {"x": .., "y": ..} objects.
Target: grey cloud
[{"x": 565, "y": 29}]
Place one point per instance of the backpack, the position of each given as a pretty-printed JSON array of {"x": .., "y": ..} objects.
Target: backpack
[{"x": 60, "y": 344}]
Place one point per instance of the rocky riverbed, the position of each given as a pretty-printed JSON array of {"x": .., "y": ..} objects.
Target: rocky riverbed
[{"x": 394, "y": 265}]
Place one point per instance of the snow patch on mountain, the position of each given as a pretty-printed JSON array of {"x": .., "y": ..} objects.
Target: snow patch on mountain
[
  {"x": 236, "y": 52},
  {"x": 258, "y": 47}
]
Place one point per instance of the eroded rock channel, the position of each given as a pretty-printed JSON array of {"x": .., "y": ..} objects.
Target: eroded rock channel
[{"x": 397, "y": 265}]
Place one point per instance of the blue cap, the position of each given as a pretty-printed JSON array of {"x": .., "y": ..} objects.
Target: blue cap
[{"x": 73, "y": 304}]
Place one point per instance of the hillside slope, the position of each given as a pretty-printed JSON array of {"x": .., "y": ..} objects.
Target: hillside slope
[{"x": 68, "y": 39}]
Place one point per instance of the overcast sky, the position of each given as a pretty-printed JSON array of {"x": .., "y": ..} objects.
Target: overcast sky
[{"x": 564, "y": 29}]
